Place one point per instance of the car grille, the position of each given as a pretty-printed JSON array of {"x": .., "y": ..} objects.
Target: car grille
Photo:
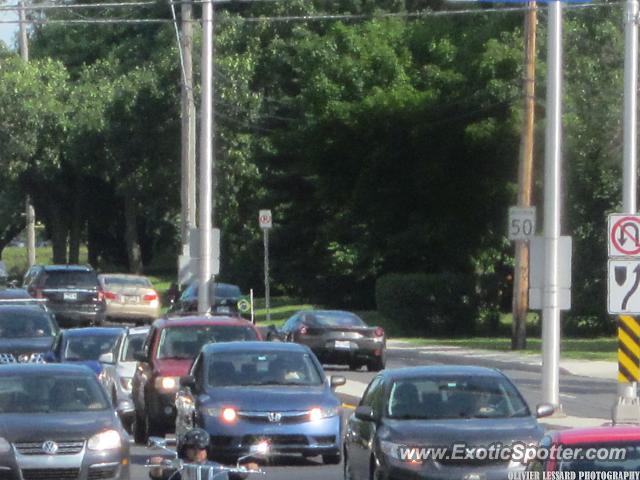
[
  {"x": 21, "y": 358},
  {"x": 101, "y": 473},
  {"x": 69, "y": 447},
  {"x": 219, "y": 441},
  {"x": 275, "y": 440},
  {"x": 284, "y": 417},
  {"x": 50, "y": 473},
  {"x": 325, "y": 440},
  {"x": 456, "y": 461},
  {"x": 7, "y": 475}
]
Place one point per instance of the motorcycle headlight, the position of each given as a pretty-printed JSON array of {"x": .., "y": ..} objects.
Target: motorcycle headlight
[
  {"x": 108, "y": 440},
  {"x": 316, "y": 414},
  {"x": 167, "y": 384},
  {"x": 5, "y": 446}
]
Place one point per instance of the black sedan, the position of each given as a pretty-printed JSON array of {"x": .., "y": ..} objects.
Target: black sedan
[
  {"x": 27, "y": 332},
  {"x": 338, "y": 337},
  {"x": 436, "y": 423},
  {"x": 56, "y": 422}
]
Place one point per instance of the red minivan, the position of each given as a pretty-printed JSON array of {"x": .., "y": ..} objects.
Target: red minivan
[{"x": 167, "y": 355}]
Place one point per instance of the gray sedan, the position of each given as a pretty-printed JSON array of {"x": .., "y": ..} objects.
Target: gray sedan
[
  {"x": 439, "y": 423},
  {"x": 56, "y": 422}
]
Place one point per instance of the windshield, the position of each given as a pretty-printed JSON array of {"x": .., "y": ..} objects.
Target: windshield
[
  {"x": 221, "y": 291},
  {"x": 623, "y": 458},
  {"x": 330, "y": 319},
  {"x": 50, "y": 393},
  {"x": 71, "y": 278},
  {"x": 133, "y": 344},
  {"x": 126, "y": 282},
  {"x": 274, "y": 368},
  {"x": 25, "y": 324},
  {"x": 86, "y": 347},
  {"x": 455, "y": 396},
  {"x": 186, "y": 342}
]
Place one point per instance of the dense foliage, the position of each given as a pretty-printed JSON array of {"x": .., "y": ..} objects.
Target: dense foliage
[{"x": 382, "y": 145}]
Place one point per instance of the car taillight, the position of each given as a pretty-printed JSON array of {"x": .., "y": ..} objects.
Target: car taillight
[
  {"x": 303, "y": 330},
  {"x": 150, "y": 297},
  {"x": 107, "y": 295},
  {"x": 379, "y": 332}
]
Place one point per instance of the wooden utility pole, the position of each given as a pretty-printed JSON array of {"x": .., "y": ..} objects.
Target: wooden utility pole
[
  {"x": 30, "y": 214},
  {"x": 188, "y": 190},
  {"x": 525, "y": 174}
]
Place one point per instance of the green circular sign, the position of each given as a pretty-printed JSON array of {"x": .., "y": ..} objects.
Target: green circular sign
[{"x": 244, "y": 305}]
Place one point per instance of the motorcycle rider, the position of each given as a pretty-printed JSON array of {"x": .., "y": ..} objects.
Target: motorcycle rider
[{"x": 192, "y": 450}]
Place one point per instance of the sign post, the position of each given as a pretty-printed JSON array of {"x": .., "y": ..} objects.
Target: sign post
[{"x": 265, "y": 220}]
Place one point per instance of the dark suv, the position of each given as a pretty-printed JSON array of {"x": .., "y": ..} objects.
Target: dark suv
[
  {"x": 226, "y": 299},
  {"x": 72, "y": 293}
]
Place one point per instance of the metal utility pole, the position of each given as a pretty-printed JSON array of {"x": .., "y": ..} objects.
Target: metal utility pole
[
  {"x": 628, "y": 405},
  {"x": 188, "y": 190},
  {"x": 206, "y": 158},
  {"x": 525, "y": 170},
  {"x": 266, "y": 223},
  {"x": 30, "y": 213},
  {"x": 552, "y": 183}
]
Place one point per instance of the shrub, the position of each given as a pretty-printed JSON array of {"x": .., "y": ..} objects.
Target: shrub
[{"x": 428, "y": 304}]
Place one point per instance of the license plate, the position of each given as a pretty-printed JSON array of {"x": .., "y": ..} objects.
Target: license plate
[
  {"x": 131, "y": 299},
  {"x": 70, "y": 296},
  {"x": 343, "y": 345}
]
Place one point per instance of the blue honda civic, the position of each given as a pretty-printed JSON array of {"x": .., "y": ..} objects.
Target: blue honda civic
[{"x": 247, "y": 394}]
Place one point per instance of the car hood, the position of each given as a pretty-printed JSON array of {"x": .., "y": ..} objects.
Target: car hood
[
  {"x": 269, "y": 398},
  {"x": 470, "y": 431},
  {"x": 26, "y": 345},
  {"x": 25, "y": 427},
  {"x": 173, "y": 367}
]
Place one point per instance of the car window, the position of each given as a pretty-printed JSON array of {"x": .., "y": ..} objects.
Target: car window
[
  {"x": 70, "y": 278},
  {"x": 273, "y": 368},
  {"x": 455, "y": 396},
  {"x": 227, "y": 291},
  {"x": 186, "y": 341},
  {"x": 126, "y": 281},
  {"x": 190, "y": 292},
  {"x": 50, "y": 393},
  {"x": 27, "y": 323},
  {"x": 132, "y": 344},
  {"x": 324, "y": 320},
  {"x": 86, "y": 347},
  {"x": 374, "y": 395}
]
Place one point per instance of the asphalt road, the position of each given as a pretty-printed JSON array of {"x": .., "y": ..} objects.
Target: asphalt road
[{"x": 580, "y": 396}]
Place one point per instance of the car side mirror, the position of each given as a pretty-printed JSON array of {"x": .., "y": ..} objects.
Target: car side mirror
[
  {"x": 365, "y": 414},
  {"x": 106, "y": 358},
  {"x": 139, "y": 357},
  {"x": 188, "y": 381},
  {"x": 545, "y": 410},
  {"x": 337, "y": 381}
]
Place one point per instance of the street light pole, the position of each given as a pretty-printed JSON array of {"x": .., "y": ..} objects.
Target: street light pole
[{"x": 206, "y": 158}]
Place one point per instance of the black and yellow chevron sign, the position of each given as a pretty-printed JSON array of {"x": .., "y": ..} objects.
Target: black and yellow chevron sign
[{"x": 628, "y": 349}]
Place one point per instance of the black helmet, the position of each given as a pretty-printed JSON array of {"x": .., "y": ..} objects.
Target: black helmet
[{"x": 196, "y": 438}]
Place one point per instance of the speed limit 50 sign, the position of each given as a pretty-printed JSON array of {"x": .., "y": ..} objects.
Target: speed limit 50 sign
[{"x": 522, "y": 223}]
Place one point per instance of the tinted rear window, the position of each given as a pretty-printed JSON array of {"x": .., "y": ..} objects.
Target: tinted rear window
[
  {"x": 70, "y": 278},
  {"x": 127, "y": 281},
  {"x": 333, "y": 320}
]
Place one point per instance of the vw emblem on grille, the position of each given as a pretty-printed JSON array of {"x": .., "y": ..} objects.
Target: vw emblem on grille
[
  {"x": 274, "y": 416},
  {"x": 50, "y": 447},
  {"x": 23, "y": 358}
]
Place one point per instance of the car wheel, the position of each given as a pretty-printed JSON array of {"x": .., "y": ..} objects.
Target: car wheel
[
  {"x": 332, "y": 459},
  {"x": 376, "y": 364},
  {"x": 139, "y": 430}
]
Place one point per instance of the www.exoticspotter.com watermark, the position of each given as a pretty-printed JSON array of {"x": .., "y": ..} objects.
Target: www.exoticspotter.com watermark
[{"x": 516, "y": 452}]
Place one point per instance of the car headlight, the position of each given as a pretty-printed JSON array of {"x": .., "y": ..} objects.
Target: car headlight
[
  {"x": 167, "y": 384},
  {"x": 5, "y": 446},
  {"x": 391, "y": 449},
  {"x": 317, "y": 413},
  {"x": 108, "y": 440},
  {"x": 226, "y": 414},
  {"x": 126, "y": 383},
  {"x": 102, "y": 376}
]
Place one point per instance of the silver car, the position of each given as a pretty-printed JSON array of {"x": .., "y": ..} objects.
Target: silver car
[
  {"x": 56, "y": 422},
  {"x": 120, "y": 367}
]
